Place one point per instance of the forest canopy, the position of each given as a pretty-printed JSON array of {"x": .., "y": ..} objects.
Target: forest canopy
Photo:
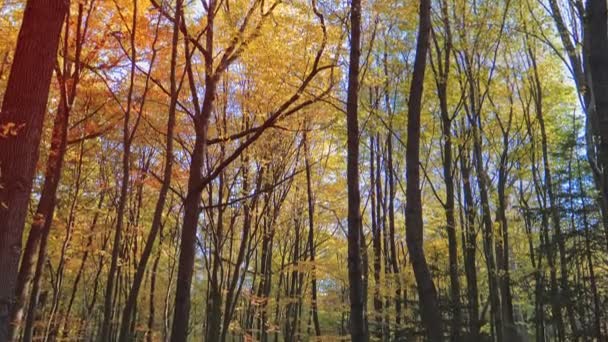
[{"x": 303, "y": 170}]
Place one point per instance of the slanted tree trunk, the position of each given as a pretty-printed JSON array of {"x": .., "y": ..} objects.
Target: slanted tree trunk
[
  {"x": 130, "y": 305},
  {"x": 597, "y": 310},
  {"x": 563, "y": 292},
  {"x": 43, "y": 217},
  {"x": 311, "y": 237},
  {"x": 589, "y": 69},
  {"x": 106, "y": 328},
  {"x": 23, "y": 110},
  {"x": 541, "y": 199},
  {"x": 46, "y": 205}
]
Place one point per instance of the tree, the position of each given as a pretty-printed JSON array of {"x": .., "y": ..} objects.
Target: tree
[
  {"x": 358, "y": 329},
  {"x": 22, "y": 115},
  {"x": 427, "y": 294}
]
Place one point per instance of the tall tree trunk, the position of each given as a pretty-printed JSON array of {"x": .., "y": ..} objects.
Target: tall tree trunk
[
  {"x": 429, "y": 306},
  {"x": 536, "y": 262},
  {"x": 106, "y": 329},
  {"x": 46, "y": 205},
  {"x": 503, "y": 259},
  {"x": 597, "y": 310},
  {"x": 544, "y": 247},
  {"x": 589, "y": 71},
  {"x": 376, "y": 244},
  {"x": 391, "y": 228},
  {"x": 502, "y": 245},
  {"x": 125, "y": 333},
  {"x": 442, "y": 72},
  {"x": 596, "y": 49},
  {"x": 311, "y": 237},
  {"x": 470, "y": 244},
  {"x": 181, "y": 316},
  {"x": 358, "y": 329},
  {"x": 214, "y": 300},
  {"x": 52, "y": 326},
  {"x": 23, "y": 110},
  {"x": 563, "y": 293},
  {"x": 488, "y": 228},
  {"x": 43, "y": 217}
]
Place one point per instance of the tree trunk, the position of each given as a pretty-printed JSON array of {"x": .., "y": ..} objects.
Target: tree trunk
[
  {"x": 597, "y": 310},
  {"x": 470, "y": 244},
  {"x": 125, "y": 334},
  {"x": 502, "y": 245},
  {"x": 181, "y": 316},
  {"x": 358, "y": 329},
  {"x": 442, "y": 71},
  {"x": 563, "y": 292},
  {"x": 376, "y": 244},
  {"x": 43, "y": 217},
  {"x": 596, "y": 48},
  {"x": 488, "y": 229},
  {"x": 311, "y": 238},
  {"x": 429, "y": 306},
  {"x": 105, "y": 332},
  {"x": 23, "y": 110}
]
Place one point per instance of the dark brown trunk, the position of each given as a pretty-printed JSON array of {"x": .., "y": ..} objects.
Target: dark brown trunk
[
  {"x": 502, "y": 244},
  {"x": 43, "y": 217},
  {"x": 429, "y": 306},
  {"x": 181, "y": 315},
  {"x": 22, "y": 116},
  {"x": 214, "y": 300},
  {"x": 470, "y": 244},
  {"x": 596, "y": 49},
  {"x": 503, "y": 259},
  {"x": 358, "y": 328}
]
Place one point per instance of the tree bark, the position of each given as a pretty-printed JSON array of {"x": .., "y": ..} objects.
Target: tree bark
[
  {"x": 429, "y": 306},
  {"x": 596, "y": 49},
  {"x": 358, "y": 328},
  {"x": 470, "y": 243},
  {"x": 23, "y": 111},
  {"x": 43, "y": 217}
]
